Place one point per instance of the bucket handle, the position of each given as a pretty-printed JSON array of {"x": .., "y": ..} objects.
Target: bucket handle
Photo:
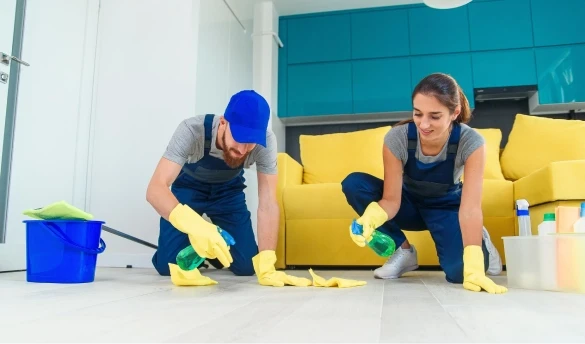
[{"x": 61, "y": 236}]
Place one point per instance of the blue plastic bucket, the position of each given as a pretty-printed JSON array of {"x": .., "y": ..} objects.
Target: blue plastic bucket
[{"x": 62, "y": 251}]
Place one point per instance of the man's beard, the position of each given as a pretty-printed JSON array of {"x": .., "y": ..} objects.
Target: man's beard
[{"x": 229, "y": 159}]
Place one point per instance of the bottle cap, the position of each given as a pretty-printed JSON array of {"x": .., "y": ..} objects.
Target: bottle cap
[
  {"x": 582, "y": 209},
  {"x": 549, "y": 217}
]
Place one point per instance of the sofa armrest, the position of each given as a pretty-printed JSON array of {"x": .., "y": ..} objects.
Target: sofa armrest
[
  {"x": 561, "y": 180},
  {"x": 290, "y": 172}
]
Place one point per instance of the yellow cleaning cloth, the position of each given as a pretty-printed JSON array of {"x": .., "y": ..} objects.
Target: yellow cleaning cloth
[
  {"x": 319, "y": 281},
  {"x": 58, "y": 211},
  {"x": 193, "y": 277}
]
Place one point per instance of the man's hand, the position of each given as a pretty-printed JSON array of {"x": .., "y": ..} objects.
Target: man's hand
[
  {"x": 268, "y": 276},
  {"x": 203, "y": 236},
  {"x": 474, "y": 277}
]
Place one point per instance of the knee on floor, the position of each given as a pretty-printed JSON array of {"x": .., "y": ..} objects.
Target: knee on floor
[
  {"x": 454, "y": 273},
  {"x": 243, "y": 269}
]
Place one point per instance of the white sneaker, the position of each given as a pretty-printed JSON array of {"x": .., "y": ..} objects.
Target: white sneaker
[
  {"x": 494, "y": 261},
  {"x": 400, "y": 262}
]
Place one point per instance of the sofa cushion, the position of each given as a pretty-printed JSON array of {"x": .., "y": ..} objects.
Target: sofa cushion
[
  {"x": 497, "y": 198},
  {"x": 317, "y": 201},
  {"x": 493, "y": 139},
  {"x": 330, "y": 158},
  {"x": 562, "y": 180},
  {"x": 327, "y": 201},
  {"x": 535, "y": 142}
]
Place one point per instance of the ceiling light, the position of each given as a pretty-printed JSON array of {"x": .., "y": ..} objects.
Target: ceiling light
[{"x": 445, "y": 4}]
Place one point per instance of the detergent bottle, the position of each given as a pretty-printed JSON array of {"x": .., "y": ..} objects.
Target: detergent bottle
[
  {"x": 579, "y": 225},
  {"x": 381, "y": 243},
  {"x": 523, "y": 214},
  {"x": 548, "y": 225},
  {"x": 188, "y": 259}
]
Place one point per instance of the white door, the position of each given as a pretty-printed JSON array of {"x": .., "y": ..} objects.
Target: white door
[{"x": 12, "y": 255}]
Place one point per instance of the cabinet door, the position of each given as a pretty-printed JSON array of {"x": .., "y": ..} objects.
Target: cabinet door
[
  {"x": 319, "y": 38},
  {"x": 511, "y": 29},
  {"x": 558, "y": 22},
  {"x": 561, "y": 74},
  {"x": 504, "y": 68},
  {"x": 435, "y": 31},
  {"x": 456, "y": 65},
  {"x": 379, "y": 34},
  {"x": 319, "y": 89},
  {"x": 381, "y": 85}
]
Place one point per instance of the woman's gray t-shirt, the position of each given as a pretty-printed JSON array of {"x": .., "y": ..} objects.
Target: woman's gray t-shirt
[{"x": 396, "y": 139}]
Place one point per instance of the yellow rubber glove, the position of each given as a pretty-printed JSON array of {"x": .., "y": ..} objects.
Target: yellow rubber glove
[
  {"x": 267, "y": 275},
  {"x": 203, "y": 236},
  {"x": 374, "y": 216},
  {"x": 474, "y": 277},
  {"x": 319, "y": 281},
  {"x": 193, "y": 277}
]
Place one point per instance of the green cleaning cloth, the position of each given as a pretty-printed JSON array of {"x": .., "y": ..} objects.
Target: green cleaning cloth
[{"x": 58, "y": 211}]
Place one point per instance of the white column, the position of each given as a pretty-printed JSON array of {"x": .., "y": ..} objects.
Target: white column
[{"x": 265, "y": 63}]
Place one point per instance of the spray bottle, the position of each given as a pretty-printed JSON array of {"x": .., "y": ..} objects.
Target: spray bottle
[
  {"x": 188, "y": 259},
  {"x": 579, "y": 225},
  {"x": 381, "y": 243},
  {"x": 523, "y": 214}
]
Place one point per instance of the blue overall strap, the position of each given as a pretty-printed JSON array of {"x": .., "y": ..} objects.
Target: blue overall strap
[
  {"x": 454, "y": 141},
  {"x": 412, "y": 141},
  {"x": 207, "y": 125},
  {"x": 452, "y": 147}
]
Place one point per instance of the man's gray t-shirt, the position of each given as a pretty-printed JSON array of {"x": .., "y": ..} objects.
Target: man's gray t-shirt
[
  {"x": 186, "y": 146},
  {"x": 396, "y": 139}
]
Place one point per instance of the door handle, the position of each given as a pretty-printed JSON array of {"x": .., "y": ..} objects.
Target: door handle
[{"x": 5, "y": 59}]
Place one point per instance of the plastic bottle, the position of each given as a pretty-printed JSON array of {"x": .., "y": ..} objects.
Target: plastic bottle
[
  {"x": 523, "y": 214},
  {"x": 188, "y": 259},
  {"x": 579, "y": 225},
  {"x": 548, "y": 225},
  {"x": 381, "y": 243}
]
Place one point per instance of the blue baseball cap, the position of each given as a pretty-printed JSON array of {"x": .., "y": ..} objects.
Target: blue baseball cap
[{"x": 248, "y": 114}]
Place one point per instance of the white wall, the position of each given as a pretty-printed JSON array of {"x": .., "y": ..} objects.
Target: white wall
[
  {"x": 266, "y": 49},
  {"x": 144, "y": 86},
  {"x": 172, "y": 61},
  {"x": 94, "y": 78},
  {"x": 48, "y": 112}
]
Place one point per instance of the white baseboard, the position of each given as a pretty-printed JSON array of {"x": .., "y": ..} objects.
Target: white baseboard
[{"x": 120, "y": 260}]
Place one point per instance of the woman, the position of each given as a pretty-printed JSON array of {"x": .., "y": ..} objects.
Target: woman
[{"x": 424, "y": 158}]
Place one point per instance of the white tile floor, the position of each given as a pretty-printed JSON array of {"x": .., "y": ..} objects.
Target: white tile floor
[{"x": 137, "y": 305}]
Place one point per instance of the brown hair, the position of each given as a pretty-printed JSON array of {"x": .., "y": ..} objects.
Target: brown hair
[{"x": 447, "y": 91}]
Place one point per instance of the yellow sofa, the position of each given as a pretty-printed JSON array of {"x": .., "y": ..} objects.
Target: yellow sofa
[{"x": 315, "y": 216}]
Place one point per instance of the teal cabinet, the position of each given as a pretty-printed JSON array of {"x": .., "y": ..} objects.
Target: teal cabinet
[
  {"x": 558, "y": 22},
  {"x": 379, "y": 34},
  {"x": 381, "y": 85},
  {"x": 504, "y": 68},
  {"x": 319, "y": 38},
  {"x": 435, "y": 31},
  {"x": 500, "y": 25},
  {"x": 456, "y": 65},
  {"x": 319, "y": 89},
  {"x": 561, "y": 74}
]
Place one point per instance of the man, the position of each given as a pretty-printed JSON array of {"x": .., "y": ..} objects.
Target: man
[{"x": 203, "y": 166}]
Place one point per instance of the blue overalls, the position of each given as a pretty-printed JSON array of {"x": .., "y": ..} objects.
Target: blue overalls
[
  {"x": 430, "y": 200},
  {"x": 210, "y": 186}
]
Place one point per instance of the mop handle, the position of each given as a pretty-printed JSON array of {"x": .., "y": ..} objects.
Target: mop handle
[{"x": 128, "y": 236}]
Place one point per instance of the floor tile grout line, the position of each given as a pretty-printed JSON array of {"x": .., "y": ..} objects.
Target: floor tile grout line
[
  {"x": 446, "y": 311},
  {"x": 381, "y": 311}
]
